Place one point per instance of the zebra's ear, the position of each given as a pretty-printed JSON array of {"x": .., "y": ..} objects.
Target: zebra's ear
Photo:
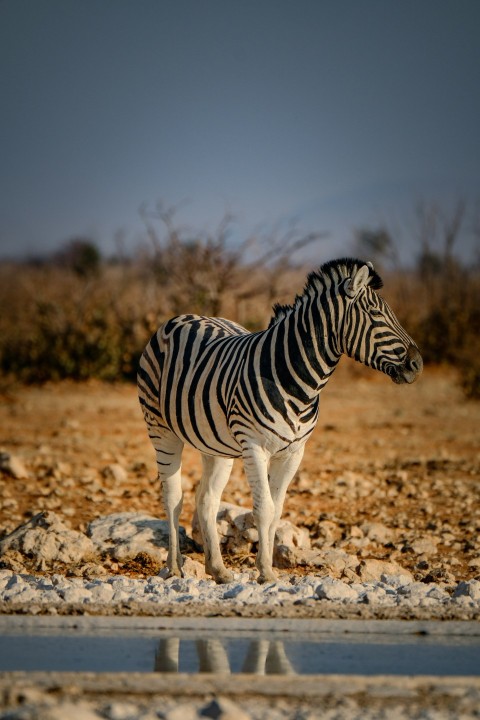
[{"x": 354, "y": 284}]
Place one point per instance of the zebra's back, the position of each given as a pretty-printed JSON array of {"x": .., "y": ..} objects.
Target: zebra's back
[{"x": 186, "y": 376}]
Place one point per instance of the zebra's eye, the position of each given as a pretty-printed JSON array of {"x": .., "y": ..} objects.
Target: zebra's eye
[{"x": 375, "y": 312}]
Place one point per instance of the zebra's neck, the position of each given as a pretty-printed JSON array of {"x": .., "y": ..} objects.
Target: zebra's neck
[{"x": 305, "y": 348}]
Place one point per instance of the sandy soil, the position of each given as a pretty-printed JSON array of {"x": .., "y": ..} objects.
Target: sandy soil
[{"x": 405, "y": 457}]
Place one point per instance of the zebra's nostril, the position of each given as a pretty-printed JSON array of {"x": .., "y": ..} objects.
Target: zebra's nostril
[{"x": 414, "y": 362}]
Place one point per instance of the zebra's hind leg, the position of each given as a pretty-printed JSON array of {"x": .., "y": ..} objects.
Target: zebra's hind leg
[
  {"x": 216, "y": 471},
  {"x": 168, "y": 449}
]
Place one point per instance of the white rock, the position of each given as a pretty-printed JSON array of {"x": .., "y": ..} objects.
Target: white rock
[
  {"x": 414, "y": 588},
  {"x": 373, "y": 569},
  {"x": 234, "y": 526},
  {"x": 239, "y": 592},
  {"x": 377, "y": 532},
  {"x": 331, "y": 559},
  {"x": 100, "y": 592},
  {"x": 12, "y": 465},
  {"x": 370, "y": 589},
  {"x": 291, "y": 545},
  {"x": 437, "y": 593},
  {"x": 417, "y": 593},
  {"x": 48, "y": 540},
  {"x": 304, "y": 591},
  {"x": 125, "y": 535},
  {"x": 396, "y": 581},
  {"x": 44, "y": 583},
  {"x": 76, "y": 595},
  {"x": 183, "y": 586},
  {"x": 339, "y": 560},
  {"x": 328, "y": 531},
  {"x": 155, "y": 585},
  {"x": 70, "y": 710},
  {"x": 289, "y": 534},
  {"x": 121, "y": 596},
  {"x": 5, "y": 576},
  {"x": 425, "y": 546},
  {"x": 48, "y": 597},
  {"x": 184, "y": 711},
  {"x": 16, "y": 580},
  {"x": 60, "y": 582},
  {"x": 115, "y": 471},
  {"x": 120, "y": 711},
  {"x": 336, "y": 590},
  {"x": 21, "y": 594},
  {"x": 193, "y": 568},
  {"x": 470, "y": 589}
]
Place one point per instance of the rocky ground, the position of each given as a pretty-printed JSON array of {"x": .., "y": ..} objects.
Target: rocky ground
[
  {"x": 48, "y": 567},
  {"x": 391, "y": 474},
  {"x": 197, "y": 698},
  {"x": 382, "y": 520}
]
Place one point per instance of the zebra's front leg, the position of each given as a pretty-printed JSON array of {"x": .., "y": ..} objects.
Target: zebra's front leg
[
  {"x": 281, "y": 472},
  {"x": 216, "y": 471},
  {"x": 256, "y": 468},
  {"x": 168, "y": 449}
]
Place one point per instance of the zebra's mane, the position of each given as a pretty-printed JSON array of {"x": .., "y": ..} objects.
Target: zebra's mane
[{"x": 333, "y": 269}]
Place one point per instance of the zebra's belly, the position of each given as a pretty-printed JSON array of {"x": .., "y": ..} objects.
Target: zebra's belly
[
  {"x": 275, "y": 446},
  {"x": 223, "y": 444},
  {"x": 208, "y": 430},
  {"x": 219, "y": 444}
]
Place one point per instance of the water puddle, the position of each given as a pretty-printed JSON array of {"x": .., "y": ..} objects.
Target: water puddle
[{"x": 222, "y": 651}]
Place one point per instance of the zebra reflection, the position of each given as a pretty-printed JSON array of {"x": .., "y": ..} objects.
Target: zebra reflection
[{"x": 264, "y": 657}]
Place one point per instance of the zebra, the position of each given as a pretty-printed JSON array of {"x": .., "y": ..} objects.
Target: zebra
[{"x": 230, "y": 393}]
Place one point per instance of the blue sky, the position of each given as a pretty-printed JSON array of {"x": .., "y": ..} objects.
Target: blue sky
[{"x": 337, "y": 113}]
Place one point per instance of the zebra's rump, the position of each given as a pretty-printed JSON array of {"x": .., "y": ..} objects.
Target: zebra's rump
[{"x": 185, "y": 380}]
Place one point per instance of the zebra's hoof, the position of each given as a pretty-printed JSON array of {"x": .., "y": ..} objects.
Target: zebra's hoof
[
  {"x": 266, "y": 577},
  {"x": 223, "y": 576},
  {"x": 167, "y": 573}
]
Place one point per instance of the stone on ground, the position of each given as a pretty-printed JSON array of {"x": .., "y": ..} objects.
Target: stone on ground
[
  {"x": 43, "y": 542},
  {"x": 125, "y": 535}
]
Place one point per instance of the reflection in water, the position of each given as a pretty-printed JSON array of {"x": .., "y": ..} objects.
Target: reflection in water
[
  {"x": 171, "y": 650},
  {"x": 264, "y": 657}
]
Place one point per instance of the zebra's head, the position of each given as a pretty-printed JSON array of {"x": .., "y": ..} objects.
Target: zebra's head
[{"x": 371, "y": 332}]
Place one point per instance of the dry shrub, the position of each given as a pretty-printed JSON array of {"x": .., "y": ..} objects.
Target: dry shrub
[
  {"x": 441, "y": 311},
  {"x": 57, "y": 322}
]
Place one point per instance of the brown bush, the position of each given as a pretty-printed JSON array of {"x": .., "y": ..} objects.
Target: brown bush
[
  {"x": 442, "y": 314},
  {"x": 57, "y": 322}
]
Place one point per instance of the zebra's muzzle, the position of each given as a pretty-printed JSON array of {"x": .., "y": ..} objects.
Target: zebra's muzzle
[{"x": 410, "y": 369}]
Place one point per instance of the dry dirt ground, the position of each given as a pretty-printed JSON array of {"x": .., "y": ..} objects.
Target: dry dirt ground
[{"x": 405, "y": 457}]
